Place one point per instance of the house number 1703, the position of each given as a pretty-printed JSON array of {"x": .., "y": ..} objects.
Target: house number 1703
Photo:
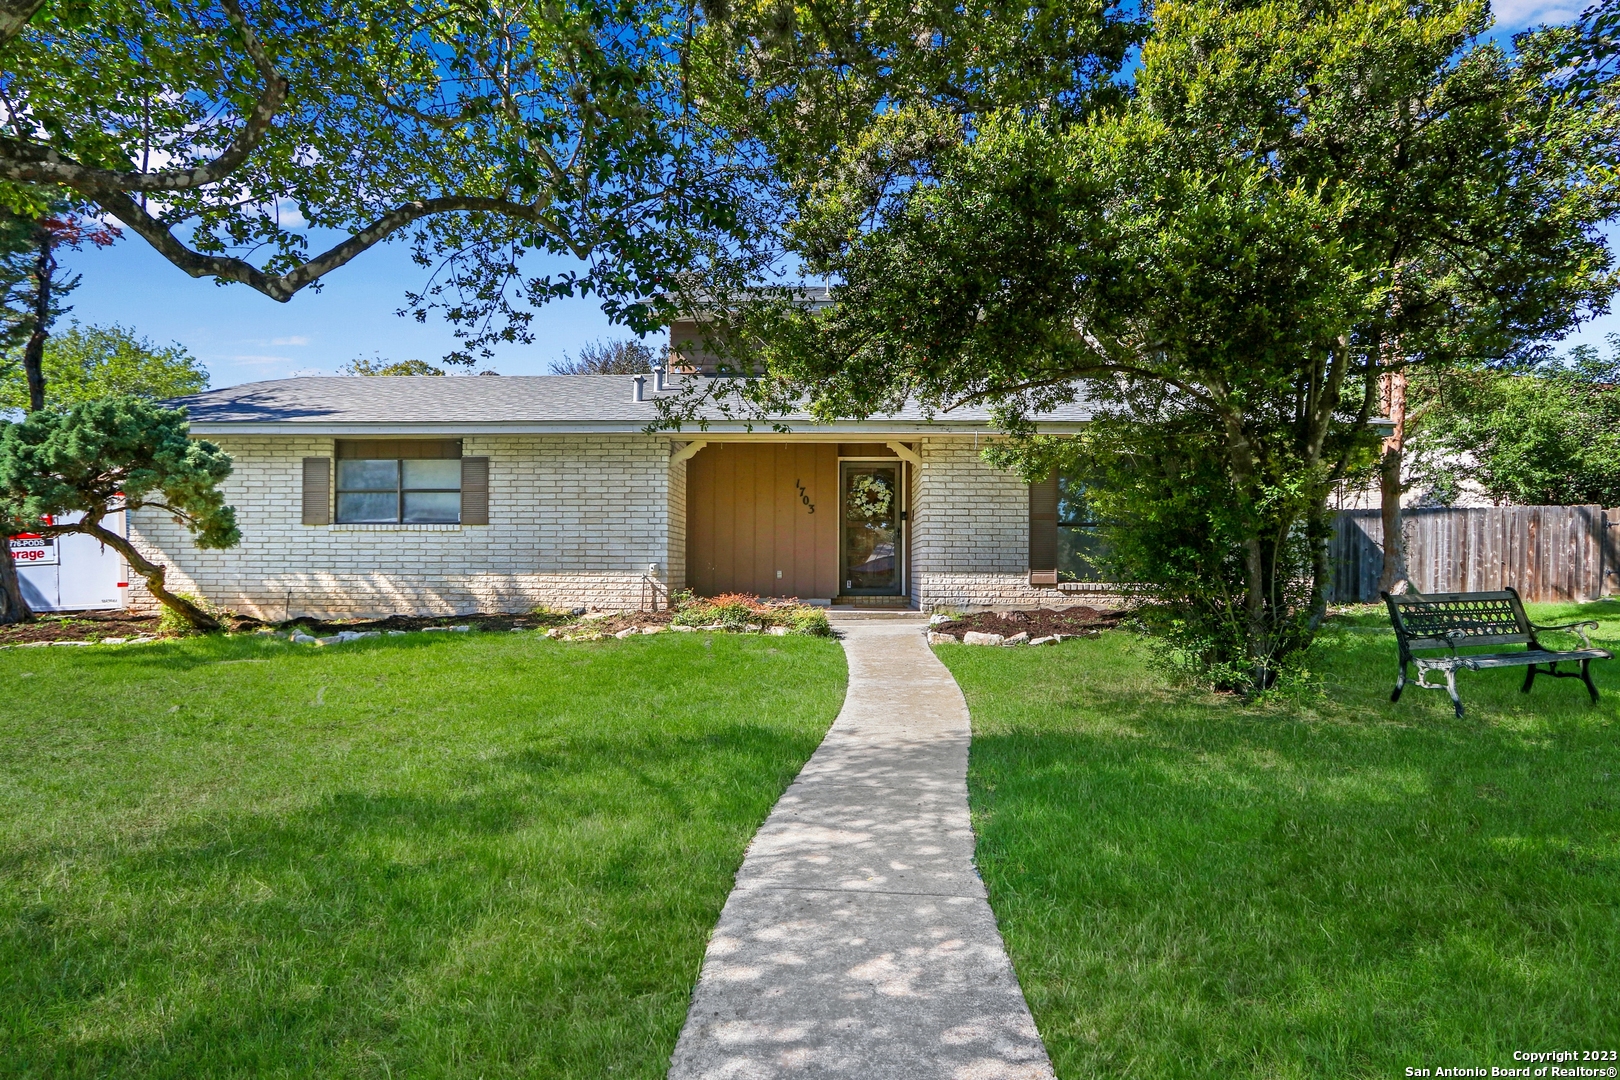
[{"x": 804, "y": 496}]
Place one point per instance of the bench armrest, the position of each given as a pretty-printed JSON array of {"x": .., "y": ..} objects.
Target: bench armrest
[{"x": 1577, "y": 628}]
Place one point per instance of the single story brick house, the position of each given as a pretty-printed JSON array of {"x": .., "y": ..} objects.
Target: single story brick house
[{"x": 367, "y": 496}]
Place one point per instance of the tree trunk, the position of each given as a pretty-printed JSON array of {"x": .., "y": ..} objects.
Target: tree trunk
[
  {"x": 34, "y": 350},
  {"x": 1320, "y": 532},
  {"x": 151, "y": 572},
  {"x": 1394, "y": 578},
  {"x": 13, "y": 608}
]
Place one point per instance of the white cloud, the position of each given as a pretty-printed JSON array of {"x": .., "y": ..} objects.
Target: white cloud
[
  {"x": 296, "y": 339},
  {"x": 1518, "y": 14},
  {"x": 288, "y": 216}
]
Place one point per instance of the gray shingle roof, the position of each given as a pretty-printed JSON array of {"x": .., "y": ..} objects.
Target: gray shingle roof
[{"x": 510, "y": 403}]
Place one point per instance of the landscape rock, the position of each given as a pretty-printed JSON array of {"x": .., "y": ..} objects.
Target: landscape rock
[
  {"x": 333, "y": 640},
  {"x": 631, "y": 631},
  {"x": 1049, "y": 640},
  {"x": 937, "y": 638},
  {"x": 974, "y": 637},
  {"x": 652, "y": 629},
  {"x": 577, "y": 612},
  {"x": 434, "y": 629},
  {"x": 778, "y": 631},
  {"x": 935, "y": 620},
  {"x": 679, "y": 629},
  {"x": 301, "y": 638},
  {"x": 1018, "y": 639},
  {"x": 398, "y": 633},
  {"x": 113, "y": 640},
  {"x": 460, "y": 629}
]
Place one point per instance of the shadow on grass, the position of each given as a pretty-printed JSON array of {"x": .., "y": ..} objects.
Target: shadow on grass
[
  {"x": 1324, "y": 886},
  {"x": 523, "y": 890}
]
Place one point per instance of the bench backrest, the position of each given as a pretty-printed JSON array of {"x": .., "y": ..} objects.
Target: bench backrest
[{"x": 1441, "y": 620}]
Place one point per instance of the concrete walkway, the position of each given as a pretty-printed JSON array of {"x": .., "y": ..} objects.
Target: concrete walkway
[{"x": 858, "y": 941}]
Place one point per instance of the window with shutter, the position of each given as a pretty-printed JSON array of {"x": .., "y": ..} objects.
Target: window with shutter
[
  {"x": 399, "y": 481},
  {"x": 475, "y": 491},
  {"x": 317, "y": 491}
]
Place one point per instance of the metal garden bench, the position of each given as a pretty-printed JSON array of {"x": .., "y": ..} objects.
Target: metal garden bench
[{"x": 1458, "y": 620}]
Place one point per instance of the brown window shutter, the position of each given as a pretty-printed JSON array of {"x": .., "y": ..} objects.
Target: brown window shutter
[
  {"x": 475, "y": 491},
  {"x": 317, "y": 491},
  {"x": 1043, "y": 538}
]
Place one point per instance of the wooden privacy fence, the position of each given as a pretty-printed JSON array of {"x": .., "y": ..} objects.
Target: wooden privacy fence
[{"x": 1545, "y": 552}]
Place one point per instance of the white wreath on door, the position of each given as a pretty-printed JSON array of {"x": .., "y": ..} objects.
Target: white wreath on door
[{"x": 870, "y": 496}]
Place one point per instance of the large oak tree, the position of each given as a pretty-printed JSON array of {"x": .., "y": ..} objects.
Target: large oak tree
[
  {"x": 1295, "y": 199},
  {"x": 273, "y": 144}
]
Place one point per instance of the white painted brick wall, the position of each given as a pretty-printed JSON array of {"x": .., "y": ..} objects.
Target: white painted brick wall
[
  {"x": 970, "y": 536},
  {"x": 573, "y": 520},
  {"x": 675, "y": 560}
]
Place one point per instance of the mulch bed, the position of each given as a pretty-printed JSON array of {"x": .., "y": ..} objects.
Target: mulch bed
[
  {"x": 481, "y": 621},
  {"x": 93, "y": 626},
  {"x": 1043, "y": 622},
  {"x": 89, "y": 626}
]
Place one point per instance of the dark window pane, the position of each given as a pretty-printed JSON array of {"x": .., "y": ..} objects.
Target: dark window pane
[
  {"x": 363, "y": 507},
  {"x": 433, "y": 506},
  {"x": 368, "y": 476},
  {"x": 443, "y": 475},
  {"x": 1073, "y": 507},
  {"x": 1078, "y": 550}
]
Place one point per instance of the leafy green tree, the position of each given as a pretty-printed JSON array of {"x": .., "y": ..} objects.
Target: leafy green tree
[
  {"x": 230, "y": 137},
  {"x": 33, "y": 230},
  {"x": 378, "y": 366},
  {"x": 115, "y": 451},
  {"x": 1295, "y": 199},
  {"x": 807, "y": 78},
  {"x": 88, "y": 362},
  {"x": 1549, "y": 435},
  {"x": 34, "y": 225}
]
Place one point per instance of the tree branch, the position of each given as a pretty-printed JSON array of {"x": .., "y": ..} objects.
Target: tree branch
[
  {"x": 30, "y": 163},
  {"x": 14, "y": 15},
  {"x": 285, "y": 286}
]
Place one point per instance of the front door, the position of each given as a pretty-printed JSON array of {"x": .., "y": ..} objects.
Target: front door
[{"x": 869, "y": 549}]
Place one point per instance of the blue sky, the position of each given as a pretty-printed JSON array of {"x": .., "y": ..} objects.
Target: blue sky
[{"x": 242, "y": 336}]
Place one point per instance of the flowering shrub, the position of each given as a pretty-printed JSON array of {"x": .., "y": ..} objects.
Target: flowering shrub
[{"x": 741, "y": 611}]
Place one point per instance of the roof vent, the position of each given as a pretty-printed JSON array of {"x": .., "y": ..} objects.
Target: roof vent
[{"x": 639, "y": 393}]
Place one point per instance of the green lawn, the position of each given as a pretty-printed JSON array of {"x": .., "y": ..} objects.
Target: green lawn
[
  {"x": 1333, "y": 886},
  {"x": 432, "y": 856}
]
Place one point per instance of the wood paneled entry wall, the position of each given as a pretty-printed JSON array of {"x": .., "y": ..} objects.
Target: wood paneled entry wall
[{"x": 763, "y": 518}]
